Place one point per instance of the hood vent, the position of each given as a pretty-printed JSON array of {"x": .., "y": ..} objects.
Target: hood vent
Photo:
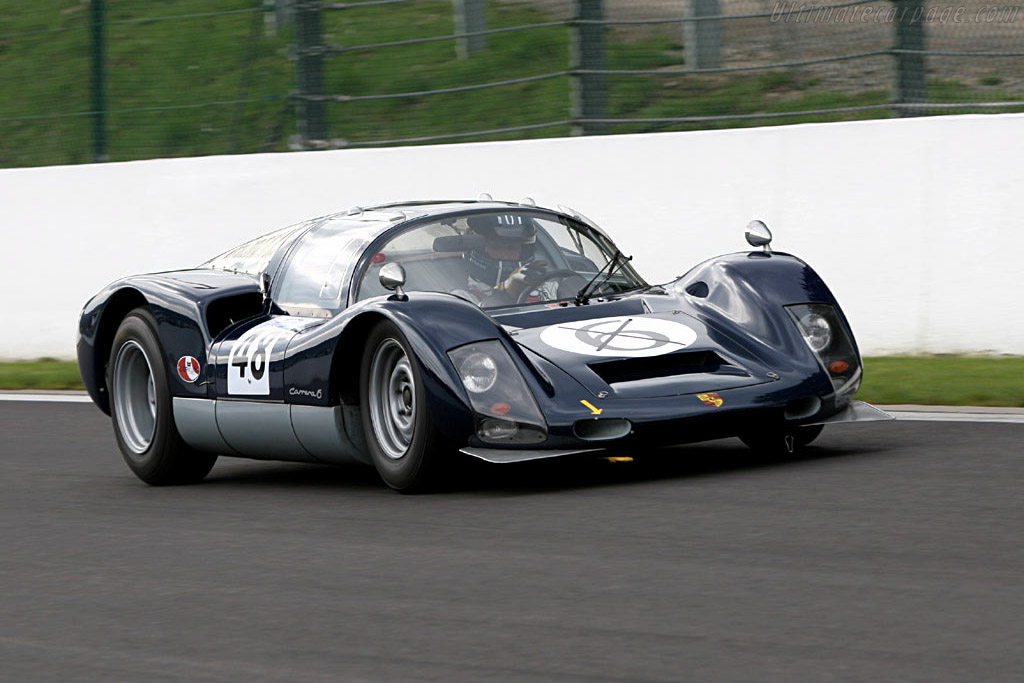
[{"x": 666, "y": 365}]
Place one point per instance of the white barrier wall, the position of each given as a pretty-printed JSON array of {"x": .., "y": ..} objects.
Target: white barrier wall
[{"x": 915, "y": 223}]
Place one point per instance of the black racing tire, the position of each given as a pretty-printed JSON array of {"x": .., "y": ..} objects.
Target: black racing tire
[
  {"x": 141, "y": 409},
  {"x": 404, "y": 443},
  {"x": 785, "y": 441}
]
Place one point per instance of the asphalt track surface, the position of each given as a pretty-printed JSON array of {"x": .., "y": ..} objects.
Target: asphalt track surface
[{"x": 893, "y": 552}]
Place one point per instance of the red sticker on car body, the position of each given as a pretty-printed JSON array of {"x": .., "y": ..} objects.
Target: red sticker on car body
[
  {"x": 188, "y": 368},
  {"x": 839, "y": 367}
]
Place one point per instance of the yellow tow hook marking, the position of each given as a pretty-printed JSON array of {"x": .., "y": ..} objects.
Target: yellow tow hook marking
[{"x": 593, "y": 410}]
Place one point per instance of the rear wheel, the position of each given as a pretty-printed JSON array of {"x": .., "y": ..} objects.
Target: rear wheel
[
  {"x": 782, "y": 441},
  {"x": 400, "y": 433},
  {"x": 140, "y": 408}
]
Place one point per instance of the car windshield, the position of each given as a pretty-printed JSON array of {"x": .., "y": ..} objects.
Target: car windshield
[{"x": 501, "y": 258}]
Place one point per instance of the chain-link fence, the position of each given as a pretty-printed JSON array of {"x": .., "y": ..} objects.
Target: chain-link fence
[
  {"x": 131, "y": 79},
  {"x": 126, "y": 79}
]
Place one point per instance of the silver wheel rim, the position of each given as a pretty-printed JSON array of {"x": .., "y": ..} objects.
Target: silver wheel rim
[
  {"x": 392, "y": 399},
  {"x": 134, "y": 397}
]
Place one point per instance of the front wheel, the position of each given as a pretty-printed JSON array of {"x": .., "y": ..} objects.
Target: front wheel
[
  {"x": 140, "y": 408},
  {"x": 400, "y": 433},
  {"x": 782, "y": 441}
]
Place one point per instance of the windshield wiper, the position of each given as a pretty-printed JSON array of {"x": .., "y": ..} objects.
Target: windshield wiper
[{"x": 618, "y": 260}]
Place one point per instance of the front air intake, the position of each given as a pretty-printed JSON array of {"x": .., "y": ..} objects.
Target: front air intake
[
  {"x": 666, "y": 365},
  {"x": 801, "y": 408},
  {"x": 600, "y": 429}
]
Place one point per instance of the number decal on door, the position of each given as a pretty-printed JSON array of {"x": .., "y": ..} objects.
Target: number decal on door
[{"x": 249, "y": 361}]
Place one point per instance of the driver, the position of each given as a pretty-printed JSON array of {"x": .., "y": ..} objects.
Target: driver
[{"x": 499, "y": 268}]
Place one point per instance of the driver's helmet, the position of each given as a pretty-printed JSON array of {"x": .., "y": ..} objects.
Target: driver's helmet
[{"x": 510, "y": 243}]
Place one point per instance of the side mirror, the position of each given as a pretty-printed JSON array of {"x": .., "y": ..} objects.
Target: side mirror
[
  {"x": 392, "y": 278},
  {"x": 265, "y": 287},
  {"x": 758, "y": 235}
]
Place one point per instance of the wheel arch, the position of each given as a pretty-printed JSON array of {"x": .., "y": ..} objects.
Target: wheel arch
[
  {"x": 428, "y": 342},
  {"x": 748, "y": 292},
  {"x": 115, "y": 310},
  {"x": 343, "y": 383}
]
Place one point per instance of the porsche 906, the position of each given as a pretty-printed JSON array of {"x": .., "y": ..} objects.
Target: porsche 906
[{"x": 401, "y": 334}]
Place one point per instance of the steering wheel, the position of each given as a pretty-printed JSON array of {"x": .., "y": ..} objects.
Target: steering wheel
[{"x": 561, "y": 275}]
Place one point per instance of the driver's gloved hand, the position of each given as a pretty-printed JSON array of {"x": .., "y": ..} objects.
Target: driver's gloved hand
[
  {"x": 515, "y": 283},
  {"x": 534, "y": 271},
  {"x": 523, "y": 277}
]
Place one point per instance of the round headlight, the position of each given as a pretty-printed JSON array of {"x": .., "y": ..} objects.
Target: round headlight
[
  {"x": 478, "y": 372},
  {"x": 817, "y": 331}
]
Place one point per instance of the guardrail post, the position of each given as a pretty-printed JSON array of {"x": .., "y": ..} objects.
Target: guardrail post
[
  {"x": 703, "y": 39},
  {"x": 311, "y": 121},
  {"x": 589, "y": 91},
  {"x": 279, "y": 14},
  {"x": 470, "y": 16},
  {"x": 99, "y": 95},
  {"x": 911, "y": 86},
  {"x": 284, "y": 12}
]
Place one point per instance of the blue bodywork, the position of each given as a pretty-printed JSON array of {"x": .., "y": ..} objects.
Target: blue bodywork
[{"x": 748, "y": 352}]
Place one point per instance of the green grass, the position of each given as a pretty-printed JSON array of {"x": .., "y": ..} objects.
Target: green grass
[
  {"x": 944, "y": 380},
  {"x": 233, "y": 61},
  {"x": 926, "y": 380},
  {"x": 151, "y": 64},
  {"x": 41, "y": 374}
]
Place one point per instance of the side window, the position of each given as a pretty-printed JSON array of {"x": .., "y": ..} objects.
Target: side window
[
  {"x": 429, "y": 265},
  {"x": 253, "y": 257},
  {"x": 593, "y": 253},
  {"x": 316, "y": 277},
  {"x": 583, "y": 255},
  {"x": 565, "y": 238}
]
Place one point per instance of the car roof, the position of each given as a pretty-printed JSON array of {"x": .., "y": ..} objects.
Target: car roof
[
  {"x": 375, "y": 220},
  {"x": 439, "y": 206}
]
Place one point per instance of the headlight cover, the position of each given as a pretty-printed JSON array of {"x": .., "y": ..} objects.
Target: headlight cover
[
  {"x": 825, "y": 334},
  {"x": 506, "y": 411},
  {"x": 817, "y": 332},
  {"x": 478, "y": 372}
]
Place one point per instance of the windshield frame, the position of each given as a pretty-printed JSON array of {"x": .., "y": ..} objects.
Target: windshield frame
[{"x": 575, "y": 225}]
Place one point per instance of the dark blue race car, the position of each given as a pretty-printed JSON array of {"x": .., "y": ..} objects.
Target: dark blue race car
[{"x": 397, "y": 335}]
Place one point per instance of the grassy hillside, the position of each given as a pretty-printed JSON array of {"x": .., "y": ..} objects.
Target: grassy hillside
[
  {"x": 189, "y": 77},
  {"x": 177, "y": 87}
]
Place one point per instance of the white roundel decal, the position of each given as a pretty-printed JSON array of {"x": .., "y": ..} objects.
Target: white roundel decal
[
  {"x": 619, "y": 336},
  {"x": 188, "y": 369}
]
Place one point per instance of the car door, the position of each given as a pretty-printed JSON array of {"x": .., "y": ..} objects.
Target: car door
[
  {"x": 252, "y": 413},
  {"x": 254, "y": 409}
]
